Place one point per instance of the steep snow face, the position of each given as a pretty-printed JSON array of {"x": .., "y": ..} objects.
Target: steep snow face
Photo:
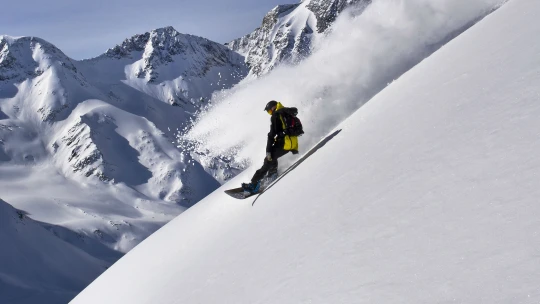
[
  {"x": 288, "y": 33},
  {"x": 31, "y": 271},
  {"x": 429, "y": 194},
  {"x": 176, "y": 68}
]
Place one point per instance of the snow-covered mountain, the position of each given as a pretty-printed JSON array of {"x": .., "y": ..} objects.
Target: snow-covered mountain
[
  {"x": 32, "y": 66},
  {"x": 176, "y": 68},
  {"x": 428, "y": 194},
  {"x": 289, "y": 32},
  {"x": 71, "y": 112},
  {"x": 87, "y": 146}
]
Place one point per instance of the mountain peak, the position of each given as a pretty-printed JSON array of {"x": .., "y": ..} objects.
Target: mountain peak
[
  {"x": 288, "y": 31},
  {"x": 327, "y": 11},
  {"x": 159, "y": 47},
  {"x": 21, "y": 57},
  {"x": 168, "y": 30},
  {"x": 6, "y": 39},
  {"x": 137, "y": 43}
]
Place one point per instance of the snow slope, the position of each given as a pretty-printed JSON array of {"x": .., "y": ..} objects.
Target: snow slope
[
  {"x": 37, "y": 274},
  {"x": 428, "y": 195}
]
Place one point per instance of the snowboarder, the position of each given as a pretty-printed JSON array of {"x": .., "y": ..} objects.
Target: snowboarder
[{"x": 277, "y": 145}]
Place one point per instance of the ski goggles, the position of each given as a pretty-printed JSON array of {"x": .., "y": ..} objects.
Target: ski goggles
[{"x": 269, "y": 111}]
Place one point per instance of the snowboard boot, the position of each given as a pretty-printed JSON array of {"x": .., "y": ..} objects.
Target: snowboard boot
[
  {"x": 272, "y": 176},
  {"x": 252, "y": 188}
]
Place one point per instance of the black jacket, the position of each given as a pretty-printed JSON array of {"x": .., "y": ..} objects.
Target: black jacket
[{"x": 276, "y": 134}]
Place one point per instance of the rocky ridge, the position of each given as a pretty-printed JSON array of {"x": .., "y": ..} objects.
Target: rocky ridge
[
  {"x": 288, "y": 33},
  {"x": 163, "y": 46}
]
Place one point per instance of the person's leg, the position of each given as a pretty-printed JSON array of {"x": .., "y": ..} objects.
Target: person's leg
[
  {"x": 269, "y": 167},
  {"x": 259, "y": 174},
  {"x": 277, "y": 152}
]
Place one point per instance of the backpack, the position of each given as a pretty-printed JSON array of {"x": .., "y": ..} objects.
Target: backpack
[{"x": 292, "y": 125}]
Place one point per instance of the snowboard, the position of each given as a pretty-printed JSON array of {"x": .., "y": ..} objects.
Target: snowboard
[{"x": 239, "y": 193}]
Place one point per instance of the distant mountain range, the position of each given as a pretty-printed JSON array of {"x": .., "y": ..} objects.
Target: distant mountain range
[{"x": 89, "y": 145}]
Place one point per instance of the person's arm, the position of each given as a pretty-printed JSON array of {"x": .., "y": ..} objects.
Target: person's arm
[{"x": 272, "y": 134}]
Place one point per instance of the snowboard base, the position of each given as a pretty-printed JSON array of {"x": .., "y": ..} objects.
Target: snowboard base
[{"x": 239, "y": 193}]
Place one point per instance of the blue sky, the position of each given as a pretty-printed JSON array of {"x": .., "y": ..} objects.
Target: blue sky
[{"x": 85, "y": 29}]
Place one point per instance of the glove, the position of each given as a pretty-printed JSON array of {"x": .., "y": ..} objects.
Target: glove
[{"x": 269, "y": 156}]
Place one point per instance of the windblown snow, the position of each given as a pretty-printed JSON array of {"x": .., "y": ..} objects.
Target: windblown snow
[
  {"x": 425, "y": 194},
  {"x": 361, "y": 56}
]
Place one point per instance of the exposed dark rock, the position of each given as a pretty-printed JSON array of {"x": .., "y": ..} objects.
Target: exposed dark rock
[{"x": 277, "y": 41}]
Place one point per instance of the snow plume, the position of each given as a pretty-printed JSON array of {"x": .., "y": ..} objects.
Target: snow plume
[{"x": 358, "y": 58}]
